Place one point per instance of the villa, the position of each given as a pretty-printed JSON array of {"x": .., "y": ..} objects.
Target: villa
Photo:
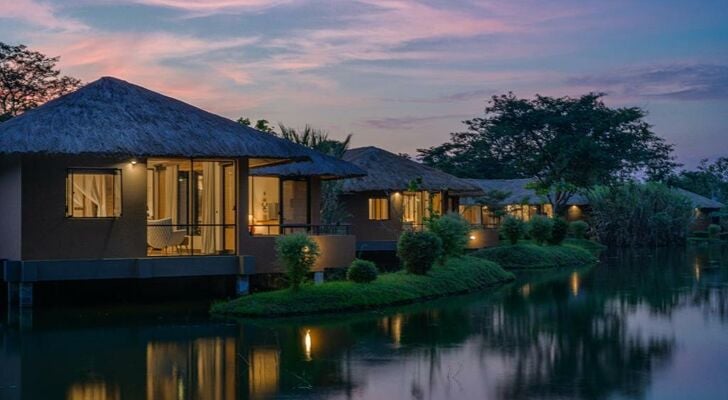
[
  {"x": 114, "y": 181},
  {"x": 398, "y": 194}
]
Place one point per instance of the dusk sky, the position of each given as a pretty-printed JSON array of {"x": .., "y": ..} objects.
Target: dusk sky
[{"x": 399, "y": 74}]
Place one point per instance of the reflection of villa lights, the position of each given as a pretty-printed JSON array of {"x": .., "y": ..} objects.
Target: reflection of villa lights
[
  {"x": 697, "y": 273},
  {"x": 574, "y": 283},
  {"x": 307, "y": 344}
]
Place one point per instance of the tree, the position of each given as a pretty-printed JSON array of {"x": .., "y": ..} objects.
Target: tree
[
  {"x": 29, "y": 79},
  {"x": 566, "y": 144},
  {"x": 709, "y": 179},
  {"x": 261, "y": 124}
]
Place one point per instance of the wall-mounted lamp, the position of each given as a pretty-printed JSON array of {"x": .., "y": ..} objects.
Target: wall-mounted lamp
[{"x": 133, "y": 161}]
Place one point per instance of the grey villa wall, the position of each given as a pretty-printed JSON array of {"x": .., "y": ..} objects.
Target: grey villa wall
[
  {"x": 10, "y": 207},
  {"x": 47, "y": 232}
]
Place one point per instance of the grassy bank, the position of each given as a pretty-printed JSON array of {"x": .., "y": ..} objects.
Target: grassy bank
[
  {"x": 591, "y": 246},
  {"x": 531, "y": 256},
  {"x": 458, "y": 275}
]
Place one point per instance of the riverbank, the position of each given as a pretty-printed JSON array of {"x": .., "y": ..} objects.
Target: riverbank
[
  {"x": 532, "y": 256},
  {"x": 458, "y": 275}
]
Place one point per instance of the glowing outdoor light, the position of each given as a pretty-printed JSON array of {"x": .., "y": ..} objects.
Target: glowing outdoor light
[
  {"x": 472, "y": 237},
  {"x": 133, "y": 161}
]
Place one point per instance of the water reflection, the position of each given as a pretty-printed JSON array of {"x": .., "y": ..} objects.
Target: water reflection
[{"x": 626, "y": 328}]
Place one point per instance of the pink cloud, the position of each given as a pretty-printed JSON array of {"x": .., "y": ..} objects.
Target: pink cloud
[{"x": 38, "y": 14}]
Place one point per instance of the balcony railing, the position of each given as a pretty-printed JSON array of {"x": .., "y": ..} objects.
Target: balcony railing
[{"x": 286, "y": 229}]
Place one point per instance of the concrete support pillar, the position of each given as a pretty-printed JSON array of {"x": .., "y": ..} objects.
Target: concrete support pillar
[
  {"x": 242, "y": 285},
  {"x": 25, "y": 294},
  {"x": 318, "y": 277}
]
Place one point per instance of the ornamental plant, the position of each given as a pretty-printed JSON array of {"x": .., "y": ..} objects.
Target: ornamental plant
[
  {"x": 512, "y": 229},
  {"x": 539, "y": 228},
  {"x": 559, "y": 230},
  {"x": 297, "y": 253},
  {"x": 578, "y": 229},
  {"x": 362, "y": 271},
  {"x": 452, "y": 229},
  {"x": 418, "y": 251}
]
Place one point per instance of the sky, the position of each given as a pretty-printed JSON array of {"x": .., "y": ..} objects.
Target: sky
[{"x": 399, "y": 74}]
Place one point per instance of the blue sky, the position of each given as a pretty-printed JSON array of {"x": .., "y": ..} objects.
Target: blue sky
[{"x": 399, "y": 74}]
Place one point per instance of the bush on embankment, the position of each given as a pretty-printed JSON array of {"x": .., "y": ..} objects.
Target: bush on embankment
[
  {"x": 530, "y": 256},
  {"x": 458, "y": 275}
]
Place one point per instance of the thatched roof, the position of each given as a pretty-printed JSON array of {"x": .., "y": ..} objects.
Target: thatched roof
[
  {"x": 517, "y": 191},
  {"x": 389, "y": 172},
  {"x": 321, "y": 165},
  {"x": 700, "y": 201},
  {"x": 113, "y": 117}
]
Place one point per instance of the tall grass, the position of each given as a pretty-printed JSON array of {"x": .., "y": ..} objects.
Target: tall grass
[{"x": 636, "y": 214}]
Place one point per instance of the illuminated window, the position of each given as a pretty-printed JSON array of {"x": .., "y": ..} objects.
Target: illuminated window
[
  {"x": 379, "y": 209},
  {"x": 471, "y": 214},
  {"x": 93, "y": 193}
]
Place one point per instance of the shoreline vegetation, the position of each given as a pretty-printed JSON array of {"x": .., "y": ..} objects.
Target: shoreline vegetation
[
  {"x": 524, "y": 256},
  {"x": 458, "y": 275}
]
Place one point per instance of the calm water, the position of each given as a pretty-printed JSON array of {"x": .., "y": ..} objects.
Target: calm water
[{"x": 652, "y": 325}]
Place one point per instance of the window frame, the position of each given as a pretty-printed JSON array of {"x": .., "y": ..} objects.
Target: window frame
[
  {"x": 113, "y": 171},
  {"x": 378, "y": 198}
]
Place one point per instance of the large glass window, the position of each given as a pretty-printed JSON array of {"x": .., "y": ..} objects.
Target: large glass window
[
  {"x": 93, "y": 193},
  {"x": 378, "y": 209},
  {"x": 472, "y": 214},
  {"x": 191, "y": 207},
  {"x": 264, "y": 215}
]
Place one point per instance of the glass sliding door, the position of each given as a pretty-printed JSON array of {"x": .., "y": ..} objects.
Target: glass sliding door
[
  {"x": 264, "y": 215},
  {"x": 193, "y": 210}
]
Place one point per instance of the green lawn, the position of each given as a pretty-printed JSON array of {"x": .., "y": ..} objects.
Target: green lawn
[
  {"x": 532, "y": 256},
  {"x": 458, "y": 275}
]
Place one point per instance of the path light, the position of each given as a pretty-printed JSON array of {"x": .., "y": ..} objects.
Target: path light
[{"x": 472, "y": 237}]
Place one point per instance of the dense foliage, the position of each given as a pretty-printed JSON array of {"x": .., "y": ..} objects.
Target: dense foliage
[
  {"x": 559, "y": 230},
  {"x": 512, "y": 229},
  {"x": 297, "y": 253},
  {"x": 578, "y": 229},
  {"x": 530, "y": 256},
  {"x": 566, "y": 144},
  {"x": 29, "y": 79},
  {"x": 418, "y": 251},
  {"x": 458, "y": 275},
  {"x": 539, "y": 228},
  {"x": 361, "y": 271},
  {"x": 634, "y": 214},
  {"x": 709, "y": 179},
  {"x": 452, "y": 229}
]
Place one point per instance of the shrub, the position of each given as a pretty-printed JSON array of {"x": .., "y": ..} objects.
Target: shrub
[
  {"x": 452, "y": 229},
  {"x": 713, "y": 231},
  {"x": 578, "y": 229},
  {"x": 361, "y": 271},
  {"x": 297, "y": 253},
  {"x": 539, "y": 228},
  {"x": 559, "y": 229},
  {"x": 512, "y": 229},
  {"x": 531, "y": 256},
  {"x": 418, "y": 251}
]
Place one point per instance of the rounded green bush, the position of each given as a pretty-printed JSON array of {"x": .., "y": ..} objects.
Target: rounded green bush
[
  {"x": 297, "y": 253},
  {"x": 512, "y": 229},
  {"x": 539, "y": 228},
  {"x": 578, "y": 229},
  {"x": 361, "y": 271},
  {"x": 452, "y": 229},
  {"x": 713, "y": 231},
  {"x": 559, "y": 230},
  {"x": 418, "y": 251}
]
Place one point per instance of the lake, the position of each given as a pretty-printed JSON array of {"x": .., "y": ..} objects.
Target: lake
[{"x": 640, "y": 325}]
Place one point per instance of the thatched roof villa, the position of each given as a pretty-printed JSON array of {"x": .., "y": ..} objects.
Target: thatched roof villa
[
  {"x": 117, "y": 181},
  {"x": 398, "y": 194}
]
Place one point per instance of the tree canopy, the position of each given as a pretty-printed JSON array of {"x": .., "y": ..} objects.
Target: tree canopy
[
  {"x": 567, "y": 144},
  {"x": 29, "y": 79},
  {"x": 710, "y": 179}
]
